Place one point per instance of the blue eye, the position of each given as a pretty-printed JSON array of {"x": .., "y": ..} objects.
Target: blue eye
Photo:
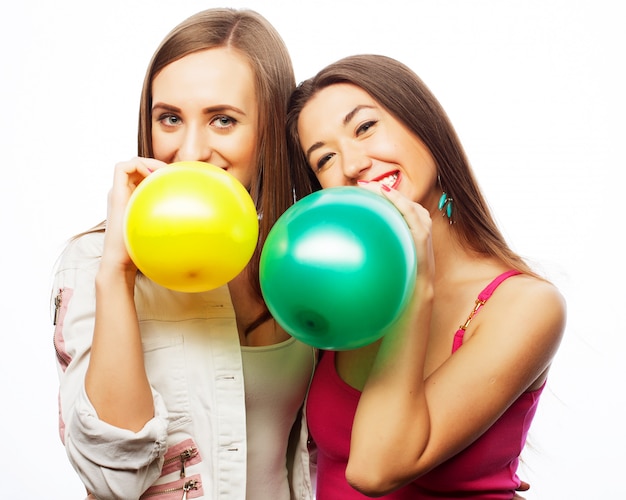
[
  {"x": 169, "y": 120},
  {"x": 223, "y": 121}
]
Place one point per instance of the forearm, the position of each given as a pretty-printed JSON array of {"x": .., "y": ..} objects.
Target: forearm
[
  {"x": 392, "y": 424},
  {"x": 116, "y": 380}
]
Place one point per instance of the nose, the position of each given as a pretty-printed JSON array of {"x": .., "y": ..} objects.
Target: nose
[
  {"x": 194, "y": 146},
  {"x": 356, "y": 163}
]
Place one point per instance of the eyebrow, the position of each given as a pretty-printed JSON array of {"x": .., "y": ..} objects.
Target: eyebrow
[
  {"x": 208, "y": 110},
  {"x": 346, "y": 120}
]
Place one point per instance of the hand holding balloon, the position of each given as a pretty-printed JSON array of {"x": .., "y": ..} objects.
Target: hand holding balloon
[
  {"x": 190, "y": 226},
  {"x": 338, "y": 268}
]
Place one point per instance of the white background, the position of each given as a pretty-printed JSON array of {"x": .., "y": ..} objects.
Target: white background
[{"x": 535, "y": 89}]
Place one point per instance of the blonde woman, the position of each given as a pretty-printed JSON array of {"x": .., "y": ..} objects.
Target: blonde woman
[{"x": 192, "y": 394}]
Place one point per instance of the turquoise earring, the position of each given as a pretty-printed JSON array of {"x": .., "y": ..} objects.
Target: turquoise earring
[{"x": 445, "y": 206}]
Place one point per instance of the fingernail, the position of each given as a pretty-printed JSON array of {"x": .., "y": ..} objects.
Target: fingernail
[
  {"x": 150, "y": 170},
  {"x": 362, "y": 182},
  {"x": 385, "y": 187}
]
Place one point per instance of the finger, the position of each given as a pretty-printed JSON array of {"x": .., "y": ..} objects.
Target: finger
[
  {"x": 133, "y": 171},
  {"x": 419, "y": 222},
  {"x": 412, "y": 212},
  {"x": 149, "y": 164},
  {"x": 126, "y": 177},
  {"x": 416, "y": 216}
]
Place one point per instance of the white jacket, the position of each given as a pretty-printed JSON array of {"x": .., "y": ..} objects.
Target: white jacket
[{"x": 193, "y": 361}]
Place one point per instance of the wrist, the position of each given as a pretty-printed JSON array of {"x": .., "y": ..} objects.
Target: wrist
[{"x": 115, "y": 274}]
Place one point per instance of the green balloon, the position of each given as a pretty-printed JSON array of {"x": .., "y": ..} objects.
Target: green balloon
[{"x": 338, "y": 268}]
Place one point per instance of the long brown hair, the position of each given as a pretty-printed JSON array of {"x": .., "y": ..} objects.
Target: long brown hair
[
  {"x": 258, "y": 41},
  {"x": 403, "y": 94}
]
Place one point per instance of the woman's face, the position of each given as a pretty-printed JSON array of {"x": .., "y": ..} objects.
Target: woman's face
[
  {"x": 347, "y": 136},
  {"x": 205, "y": 109}
]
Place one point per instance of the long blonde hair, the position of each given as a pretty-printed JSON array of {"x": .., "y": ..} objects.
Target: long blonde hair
[{"x": 258, "y": 41}]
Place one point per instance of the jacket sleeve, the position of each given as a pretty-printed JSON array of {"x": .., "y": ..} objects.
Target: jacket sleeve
[{"x": 111, "y": 462}]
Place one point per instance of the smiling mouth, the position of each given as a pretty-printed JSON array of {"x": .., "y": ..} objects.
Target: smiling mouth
[{"x": 390, "y": 179}]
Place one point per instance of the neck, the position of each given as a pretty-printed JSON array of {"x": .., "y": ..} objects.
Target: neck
[
  {"x": 455, "y": 263},
  {"x": 448, "y": 251}
]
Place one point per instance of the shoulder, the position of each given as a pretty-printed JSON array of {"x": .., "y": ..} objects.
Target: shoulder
[
  {"x": 524, "y": 293},
  {"x": 521, "y": 325},
  {"x": 528, "y": 310},
  {"x": 82, "y": 250}
]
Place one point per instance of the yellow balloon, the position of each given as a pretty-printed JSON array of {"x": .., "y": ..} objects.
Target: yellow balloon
[{"x": 191, "y": 227}]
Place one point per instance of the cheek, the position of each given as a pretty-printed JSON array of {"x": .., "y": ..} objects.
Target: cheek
[
  {"x": 330, "y": 178},
  {"x": 243, "y": 160},
  {"x": 162, "y": 147}
]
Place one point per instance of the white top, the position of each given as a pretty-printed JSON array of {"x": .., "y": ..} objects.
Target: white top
[
  {"x": 276, "y": 380},
  {"x": 193, "y": 361}
]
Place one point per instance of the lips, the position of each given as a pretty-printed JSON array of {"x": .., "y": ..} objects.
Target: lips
[{"x": 389, "y": 179}]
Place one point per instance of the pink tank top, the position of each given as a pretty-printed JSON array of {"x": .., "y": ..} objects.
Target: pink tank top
[{"x": 484, "y": 470}]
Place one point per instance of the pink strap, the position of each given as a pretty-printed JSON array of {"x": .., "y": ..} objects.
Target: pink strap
[
  {"x": 491, "y": 287},
  {"x": 480, "y": 302}
]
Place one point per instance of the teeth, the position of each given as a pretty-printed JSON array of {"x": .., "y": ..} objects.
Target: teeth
[{"x": 390, "y": 180}]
